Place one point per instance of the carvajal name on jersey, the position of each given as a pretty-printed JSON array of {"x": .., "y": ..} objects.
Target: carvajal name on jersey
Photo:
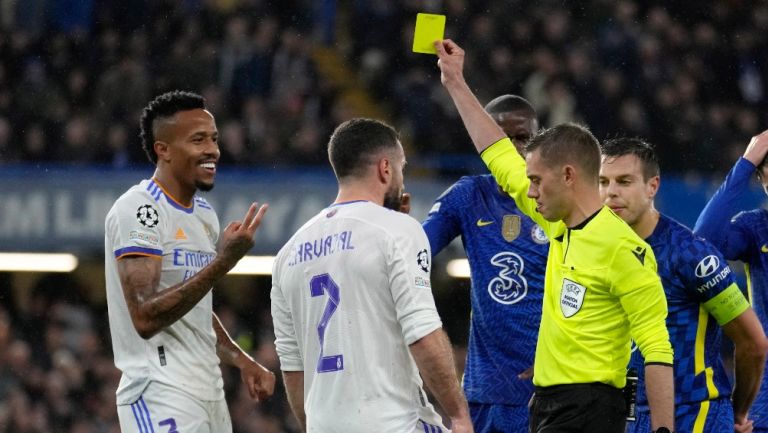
[{"x": 325, "y": 246}]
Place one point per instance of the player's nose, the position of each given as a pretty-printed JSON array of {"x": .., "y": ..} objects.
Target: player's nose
[{"x": 212, "y": 149}]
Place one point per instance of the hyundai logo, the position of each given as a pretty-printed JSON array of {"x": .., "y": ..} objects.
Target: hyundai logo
[{"x": 707, "y": 266}]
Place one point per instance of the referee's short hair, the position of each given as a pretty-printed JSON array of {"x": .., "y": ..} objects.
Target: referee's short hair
[
  {"x": 644, "y": 151},
  {"x": 568, "y": 143},
  {"x": 162, "y": 107},
  {"x": 355, "y": 143}
]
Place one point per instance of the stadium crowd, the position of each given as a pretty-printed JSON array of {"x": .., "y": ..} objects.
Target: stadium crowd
[{"x": 689, "y": 76}]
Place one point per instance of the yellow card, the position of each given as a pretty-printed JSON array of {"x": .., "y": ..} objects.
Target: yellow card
[{"x": 429, "y": 28}]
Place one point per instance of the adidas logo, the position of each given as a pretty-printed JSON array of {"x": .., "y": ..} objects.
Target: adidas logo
[{"x": 180, "y": 234}]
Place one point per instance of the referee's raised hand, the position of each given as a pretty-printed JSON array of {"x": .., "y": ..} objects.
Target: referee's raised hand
[{"x": 450, "y": 61}]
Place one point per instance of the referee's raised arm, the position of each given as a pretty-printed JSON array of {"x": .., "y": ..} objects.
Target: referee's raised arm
[
  {"x": 481, "y": 127},
  {"x": 583, "y": 347}
]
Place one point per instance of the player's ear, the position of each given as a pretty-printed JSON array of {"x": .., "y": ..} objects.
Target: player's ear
[
  {"x": 653, "y": 186},
  {"x": 161, "y": 150},
  {"x": 384, "y": 170}
]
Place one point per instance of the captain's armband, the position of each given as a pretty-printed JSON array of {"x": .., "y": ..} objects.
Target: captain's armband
[{"x": 727, "y": 305}]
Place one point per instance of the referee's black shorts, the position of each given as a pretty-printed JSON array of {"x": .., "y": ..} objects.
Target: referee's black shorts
[{"x": 587, "y": 407}]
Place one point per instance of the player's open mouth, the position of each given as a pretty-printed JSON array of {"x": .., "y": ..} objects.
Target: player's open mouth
[{"x": 208, "y": 166}]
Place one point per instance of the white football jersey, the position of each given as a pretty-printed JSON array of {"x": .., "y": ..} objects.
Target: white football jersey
[
  {"x": 350, "y": 292},
  {"x": 147, "y": 221}
]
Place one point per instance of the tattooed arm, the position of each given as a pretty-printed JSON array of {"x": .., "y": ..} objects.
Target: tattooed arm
[{"x": 152, "y": 310}]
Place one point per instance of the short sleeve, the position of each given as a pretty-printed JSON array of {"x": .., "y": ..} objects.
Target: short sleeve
[
  {"x": 705, "y": 273},
  {"x": 703, "y": 270},
  {"x": 410, "y": 261},
  {"x": 134, "y": 226}
]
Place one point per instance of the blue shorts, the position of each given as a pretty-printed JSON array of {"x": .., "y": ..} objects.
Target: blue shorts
[
  {"x": 711, "y": 416},
  {"x": 499, "y": 418}
]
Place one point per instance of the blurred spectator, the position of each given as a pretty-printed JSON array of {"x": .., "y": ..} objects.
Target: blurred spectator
[
  {"x": 115, "y": 152},
  {"x": 234, "y": 148},
  {"x": 35, "y": 144},
  {"x": 7, "y": 150},
  {"x": 624, "y": 68}
]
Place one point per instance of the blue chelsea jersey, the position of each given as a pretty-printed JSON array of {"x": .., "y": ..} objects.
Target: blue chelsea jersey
[
  {"x": 751, "y": 232},
  {"x": 507, "y": 255},
  {"x": 742, "y": 237},
  {"x": 692, "y": 272}
]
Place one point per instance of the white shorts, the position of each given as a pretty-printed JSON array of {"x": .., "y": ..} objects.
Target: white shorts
[{"x": 163, "y": 409}]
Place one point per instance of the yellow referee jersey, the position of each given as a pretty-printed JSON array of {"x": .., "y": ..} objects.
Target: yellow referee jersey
[{"x": 600, "y": 289}]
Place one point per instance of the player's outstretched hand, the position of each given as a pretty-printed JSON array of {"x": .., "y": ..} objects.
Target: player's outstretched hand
[
  {"x": 405, "y": 203},
  {"x": 259, "y": 381},
  {"x": 238, "y": 237},
  {"x": 744, "y": 427},
  {"x": 757, "y": 149},
  {"x": 450, "y": 61}
]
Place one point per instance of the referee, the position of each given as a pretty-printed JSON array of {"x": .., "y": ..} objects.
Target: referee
[{"x": 601, "y": 287}]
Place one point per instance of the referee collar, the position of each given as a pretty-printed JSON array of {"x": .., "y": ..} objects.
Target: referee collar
[{"x": 582, "y": 224}]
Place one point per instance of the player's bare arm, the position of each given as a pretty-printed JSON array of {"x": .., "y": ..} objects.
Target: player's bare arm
[
  {"x": 750, "y": 347},
  {"x": 434, "y": 357},
  {"x": 259, "y": 381},
  {"x": 152, "y": 310},
  {"x": 480, "y": 125},
  {"x": 294, "y": 388}
]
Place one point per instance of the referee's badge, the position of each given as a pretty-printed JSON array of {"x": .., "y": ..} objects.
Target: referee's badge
[
  {"x": 571, "y": 297},
  {"x": 510, "y": 227}
]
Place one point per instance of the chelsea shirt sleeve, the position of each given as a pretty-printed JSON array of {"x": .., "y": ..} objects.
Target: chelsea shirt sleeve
[
  {"x": 714, "y": 222},
  {"x": 443, "y": 224},
  {"x": 706, "y": 274}
]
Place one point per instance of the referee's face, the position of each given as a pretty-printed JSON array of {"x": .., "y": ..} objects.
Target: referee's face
[{"x": 547, "y": 187}]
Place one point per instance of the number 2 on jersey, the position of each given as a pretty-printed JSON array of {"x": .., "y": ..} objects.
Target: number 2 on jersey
[{"x": 319, "y": 285}]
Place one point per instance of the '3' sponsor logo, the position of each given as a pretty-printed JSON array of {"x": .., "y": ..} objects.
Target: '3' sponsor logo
[{"x": 510, "y": 286}]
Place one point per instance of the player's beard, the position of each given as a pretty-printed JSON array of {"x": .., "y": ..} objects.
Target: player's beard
[
  {"x": 393, "y": 199},
  {"x": 202, "y": 186}
]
